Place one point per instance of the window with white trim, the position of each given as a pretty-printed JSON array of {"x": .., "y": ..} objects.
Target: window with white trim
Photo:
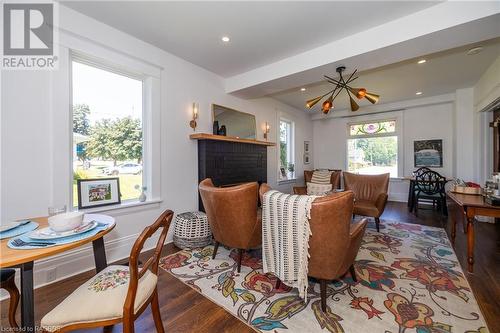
[
  {"x": 372, "y": 148},
  {"x": 107, "y": 140},
  {"x": 286, "y": 151}
]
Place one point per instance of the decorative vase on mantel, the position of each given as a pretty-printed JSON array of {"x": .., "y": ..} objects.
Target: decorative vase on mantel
[
  {"x": 142, "y": 196},
  {"x": 222, "y": 130},
  {"x": 215, "y": 130}
]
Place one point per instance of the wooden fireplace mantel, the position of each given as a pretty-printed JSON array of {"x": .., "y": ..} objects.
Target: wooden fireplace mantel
[{"x": 206, "y": 136}]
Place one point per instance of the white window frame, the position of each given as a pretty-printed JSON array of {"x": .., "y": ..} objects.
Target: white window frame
[
  {"x": 61, "y": 119},
  {"x": 115, "y": 69},
  {"x": 397, "y": 133},
  {"x": 290, "y": 148}
]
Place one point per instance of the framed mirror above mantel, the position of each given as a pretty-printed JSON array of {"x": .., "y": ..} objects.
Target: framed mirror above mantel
[{"x": 234, "y": 123}]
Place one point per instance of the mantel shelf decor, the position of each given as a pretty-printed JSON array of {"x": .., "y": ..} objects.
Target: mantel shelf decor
[{"x": 206, "y": 136}]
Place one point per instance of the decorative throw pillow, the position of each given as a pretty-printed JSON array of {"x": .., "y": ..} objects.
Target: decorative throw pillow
[
  {"x": 321, "y": 176},
  {"x": 318, "y": 189}
]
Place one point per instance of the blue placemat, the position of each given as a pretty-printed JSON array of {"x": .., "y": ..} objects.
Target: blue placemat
[
  {"x": 19, "y": 230},
  {"x": 58, "y": 241}
]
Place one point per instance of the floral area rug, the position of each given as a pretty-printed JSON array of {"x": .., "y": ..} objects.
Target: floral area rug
[{"x": 409, "y": 280}]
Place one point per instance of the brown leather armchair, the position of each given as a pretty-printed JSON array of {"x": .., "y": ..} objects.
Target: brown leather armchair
[
  {"x": 232, "y": 215},
  {"x": 370, "y": 192},
  {"x": 335, "y": 241},
  {"x": 334, "y": 180}
]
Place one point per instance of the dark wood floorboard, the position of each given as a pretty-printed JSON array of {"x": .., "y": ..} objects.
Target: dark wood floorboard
[{"x": 184, "y": 310}]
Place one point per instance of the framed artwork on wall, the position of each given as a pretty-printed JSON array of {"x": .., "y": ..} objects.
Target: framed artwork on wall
[
  {"x": 98, "y": 192},
  {"x": 307, "y": 159},
  {"x": 428, "y": 153},
  {"x": 307, "y": 147}
]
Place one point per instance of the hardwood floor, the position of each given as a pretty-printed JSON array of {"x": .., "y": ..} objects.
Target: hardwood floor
[{"x": 184, "y": 310}]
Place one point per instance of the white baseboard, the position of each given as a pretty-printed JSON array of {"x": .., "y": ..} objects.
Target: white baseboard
[{"x": 398, "y": 197}]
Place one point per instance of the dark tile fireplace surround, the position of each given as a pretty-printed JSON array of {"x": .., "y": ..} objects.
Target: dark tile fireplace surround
[{"x": 230, "y": 163}]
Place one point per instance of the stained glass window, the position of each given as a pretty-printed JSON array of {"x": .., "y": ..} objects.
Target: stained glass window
[{"x": 379, "y": 127}]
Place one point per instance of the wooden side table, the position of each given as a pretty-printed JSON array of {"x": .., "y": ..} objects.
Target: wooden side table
[{"x": 469, "y": 206}]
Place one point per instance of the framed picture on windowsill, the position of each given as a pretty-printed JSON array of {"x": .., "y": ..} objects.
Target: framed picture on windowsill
[
  {"x": 283, "y": 173},
  {"x": 98, "y": 192}
]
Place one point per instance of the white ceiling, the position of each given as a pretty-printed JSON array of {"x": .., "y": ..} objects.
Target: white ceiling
[
  {"x": 443, "y": 73},
  {"x": 260, "y": 32}
]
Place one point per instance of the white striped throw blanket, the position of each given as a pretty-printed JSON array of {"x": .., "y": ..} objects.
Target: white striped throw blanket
[
  {"x": 321, "y": 176},
  {"x": 285, "y": 238}
]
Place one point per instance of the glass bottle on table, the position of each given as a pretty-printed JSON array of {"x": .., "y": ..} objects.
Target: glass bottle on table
[{"x": 55, "y": 210}]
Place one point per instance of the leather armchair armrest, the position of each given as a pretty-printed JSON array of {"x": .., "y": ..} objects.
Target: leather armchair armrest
[
  {"x": 356, "y": 234},
  {"x": 380, "y": 202},
  {"x": 263, "y": 189},
  {"x": 300, "y": 190},
  {"x": 358, "y": 229}
]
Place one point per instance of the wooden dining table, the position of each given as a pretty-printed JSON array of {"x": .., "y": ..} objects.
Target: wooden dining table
[{"x": 24, "y": 260}]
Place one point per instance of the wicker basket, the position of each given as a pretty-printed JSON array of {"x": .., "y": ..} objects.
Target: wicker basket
[
  {"x": 192, "y": 230},
  {"x": 467, "y": 190}
]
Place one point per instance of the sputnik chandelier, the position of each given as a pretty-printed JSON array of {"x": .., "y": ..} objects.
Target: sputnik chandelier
[{"x": 339, "y": 86}]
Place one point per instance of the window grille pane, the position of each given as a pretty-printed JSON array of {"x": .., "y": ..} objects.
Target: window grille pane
[
  {"x": 372, "y": 156},
  {"x": 372, "y": 128}
]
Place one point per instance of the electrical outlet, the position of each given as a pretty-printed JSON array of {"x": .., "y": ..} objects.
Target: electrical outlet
[{"x": 51, "y": 274}]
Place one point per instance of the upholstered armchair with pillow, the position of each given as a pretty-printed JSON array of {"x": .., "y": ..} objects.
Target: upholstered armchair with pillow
[
  {"x": 335, "y": 241},
  {"x": 308, "y": 178},
  {"x": 370, "y": 192},
  {"x": 233, "y": 215}
]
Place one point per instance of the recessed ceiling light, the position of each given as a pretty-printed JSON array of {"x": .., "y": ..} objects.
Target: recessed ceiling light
[
  {"x": 418, "y": 93},
  {"x": 475, "y": 50},
  {"x": 302, "y": 89},
  {"x": 225, "y": 39},
  {"x": 421, "y": 61}
]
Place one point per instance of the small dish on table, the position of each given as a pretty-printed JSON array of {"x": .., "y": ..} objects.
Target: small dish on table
[
  {"x": 11, "y": 225},
  {"x": 65, "y": 221},
  {"x": 49, "y": 233}
]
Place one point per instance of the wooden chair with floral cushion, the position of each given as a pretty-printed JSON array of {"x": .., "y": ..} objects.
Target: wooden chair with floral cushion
[
  {"x": 117, "y": 294},
  {"x": 7, "y": 282}
]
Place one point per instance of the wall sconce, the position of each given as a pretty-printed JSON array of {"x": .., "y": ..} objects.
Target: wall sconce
[
  {"x": 193, "y": 123},
  {"x": 267, "y": 129}
]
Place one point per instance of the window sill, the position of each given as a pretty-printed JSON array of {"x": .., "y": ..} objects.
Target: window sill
[
  {"x": 123, "y": 205},
  {"x": 396, "y": 179},
  {"x": 287, "y": 181}
]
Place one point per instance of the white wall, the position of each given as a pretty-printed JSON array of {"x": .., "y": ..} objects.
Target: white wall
[
  {"x": 487, "y": 89},
  {"x": 464, "y": 122},
  {"x": 35, "y": 132},
  {"x": 422, "y": 119}
]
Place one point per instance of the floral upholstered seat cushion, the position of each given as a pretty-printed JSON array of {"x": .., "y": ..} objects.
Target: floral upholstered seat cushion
[{"x": 100, "y": 298}]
